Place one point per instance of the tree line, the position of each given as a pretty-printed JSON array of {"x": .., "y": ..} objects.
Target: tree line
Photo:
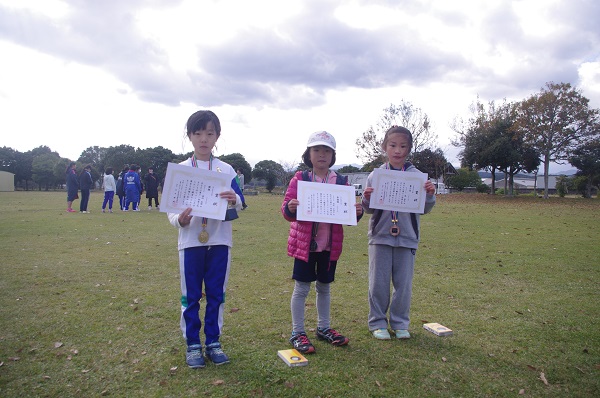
[{"x": 553, "y": 125}]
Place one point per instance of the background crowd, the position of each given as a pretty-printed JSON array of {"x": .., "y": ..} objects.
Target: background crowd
[{"x": 128, "y": 186}]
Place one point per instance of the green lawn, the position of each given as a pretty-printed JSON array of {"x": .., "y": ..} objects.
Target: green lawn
[{"x": 89, "y": 305}]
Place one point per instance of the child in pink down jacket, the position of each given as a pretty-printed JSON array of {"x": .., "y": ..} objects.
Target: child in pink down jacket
[{"x": 315, "y": 247}]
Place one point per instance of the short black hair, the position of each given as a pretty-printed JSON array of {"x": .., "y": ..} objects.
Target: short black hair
[{"x": 199, "y": 120}]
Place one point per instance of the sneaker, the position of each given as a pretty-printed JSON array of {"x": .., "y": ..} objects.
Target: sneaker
[
  {"x": 103, "y": 211},
  {"x": 149, "y": 208},
  {"x": 332, "y": 336},
  {"x": 381, "y": 334},
  {"x": 72, "y": 211},
  {"x": 194, "y": 357},
  {"x": 301, "y": 343},
  {"x": 216, "y": 354},
  {"x": 110, "y": 211},
  {"x": 402, "y": 334}
]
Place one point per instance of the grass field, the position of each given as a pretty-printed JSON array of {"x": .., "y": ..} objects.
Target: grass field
[{"x": 89, "y": 305}]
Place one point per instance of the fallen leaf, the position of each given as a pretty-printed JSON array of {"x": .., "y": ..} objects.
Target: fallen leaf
[
  {"x": 378, "y": 383},
  {"x": 85, "y": 371},
  {"x": 543, "y": 378},
  {"x": 531, "y": 367},
  {"x": 47, "y": 377},
  {"x": 444, "y": 359},
  {"x": 14, "y": 359},
  {"x": 74, "y": 351},
  {"x": 58, "y": 344},
  {"x": 1, "y": 363},
  {"x": 136, "y": 301},
  {"x": 173, "y": 369},
  {"x": 218, "y": 382},
  {"x": 234, "y": 310},
  {"x": 522, "y": 391},
  {"x": 104, "y": 393},
  {"x": 289, "y": 384}
]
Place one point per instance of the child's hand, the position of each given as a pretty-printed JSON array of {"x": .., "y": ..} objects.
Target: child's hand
[
  {"x": 429, "y": 188},
  {"x": 185, "y": 217},
  {"x": 359, "y": 209},
  {"x": 230, "y": 196},
  {"x": 367, "y": 193},
  {"x": 293, "y": 205}
]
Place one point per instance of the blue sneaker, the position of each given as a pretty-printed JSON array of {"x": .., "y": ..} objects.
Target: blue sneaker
[
  {"x": 215, "y": 353},
  {"x": 194, "y": 357}
]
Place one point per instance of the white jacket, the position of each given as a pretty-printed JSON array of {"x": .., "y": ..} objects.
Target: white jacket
[{"x": 219, "y": 232}]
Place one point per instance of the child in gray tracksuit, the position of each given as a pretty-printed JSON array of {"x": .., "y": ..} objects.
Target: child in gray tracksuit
[{"x": 393, "y": 241}]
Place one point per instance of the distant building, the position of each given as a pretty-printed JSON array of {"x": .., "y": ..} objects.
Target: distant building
[
  {"x": 7, "y": 181},
  {"x": 525, "y": 183}
]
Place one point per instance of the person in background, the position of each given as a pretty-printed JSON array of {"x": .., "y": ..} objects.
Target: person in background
[
  {"x": 120, "y": 191},
  {"x": 133, "y": 188},
  {"x": 315, "y": 246},
  {"x": 85, "y": 184},
  {"x": 72, "y": 186},
  {"x": 110, "y": 187},
  {"x": 151, "y": 183},
  {"x": 393, "y": 242},
  {"x": 142, "y": 186},
  {"x": 239, "y": 178}
]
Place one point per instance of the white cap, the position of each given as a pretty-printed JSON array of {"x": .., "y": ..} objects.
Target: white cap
[{"x": 321, "y": 138}]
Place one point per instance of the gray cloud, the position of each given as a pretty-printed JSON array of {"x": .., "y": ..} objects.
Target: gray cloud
[{"x": 308, "y": 55}]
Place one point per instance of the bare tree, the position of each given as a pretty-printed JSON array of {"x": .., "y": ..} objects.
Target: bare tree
[{"x": 405, "y": 115}]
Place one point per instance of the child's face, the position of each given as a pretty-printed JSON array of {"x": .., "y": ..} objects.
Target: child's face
[
  {"x": 204, "y": 141},
  {"x": 321, "y": 156},
  {"x": 397, "y": 149}
]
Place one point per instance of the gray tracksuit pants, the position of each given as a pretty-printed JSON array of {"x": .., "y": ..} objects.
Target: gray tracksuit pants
[{"x": 396, "y": 264}]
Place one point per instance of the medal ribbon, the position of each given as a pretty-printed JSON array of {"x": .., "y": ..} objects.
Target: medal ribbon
[
  {"x": 195, "y": 164},
  {"x": 316, "y": 224},
  {"x": 394, "y": 213}
]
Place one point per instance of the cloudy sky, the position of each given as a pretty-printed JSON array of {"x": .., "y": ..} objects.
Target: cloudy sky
[{"x": 80, "y": 73}]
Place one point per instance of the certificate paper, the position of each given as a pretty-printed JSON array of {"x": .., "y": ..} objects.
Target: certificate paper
[
  {"x": 328, "y": 203},
  {"x": 398, "y": 191},
  {"x": 199, "y": 189}
]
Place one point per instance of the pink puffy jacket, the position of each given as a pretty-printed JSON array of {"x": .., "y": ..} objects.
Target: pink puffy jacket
[{"x": 301, "y": 231}]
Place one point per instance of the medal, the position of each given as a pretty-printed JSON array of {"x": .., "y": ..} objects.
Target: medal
[
  {"x": 203, "y": 237},
  {"x": 394, "y": 229}
]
